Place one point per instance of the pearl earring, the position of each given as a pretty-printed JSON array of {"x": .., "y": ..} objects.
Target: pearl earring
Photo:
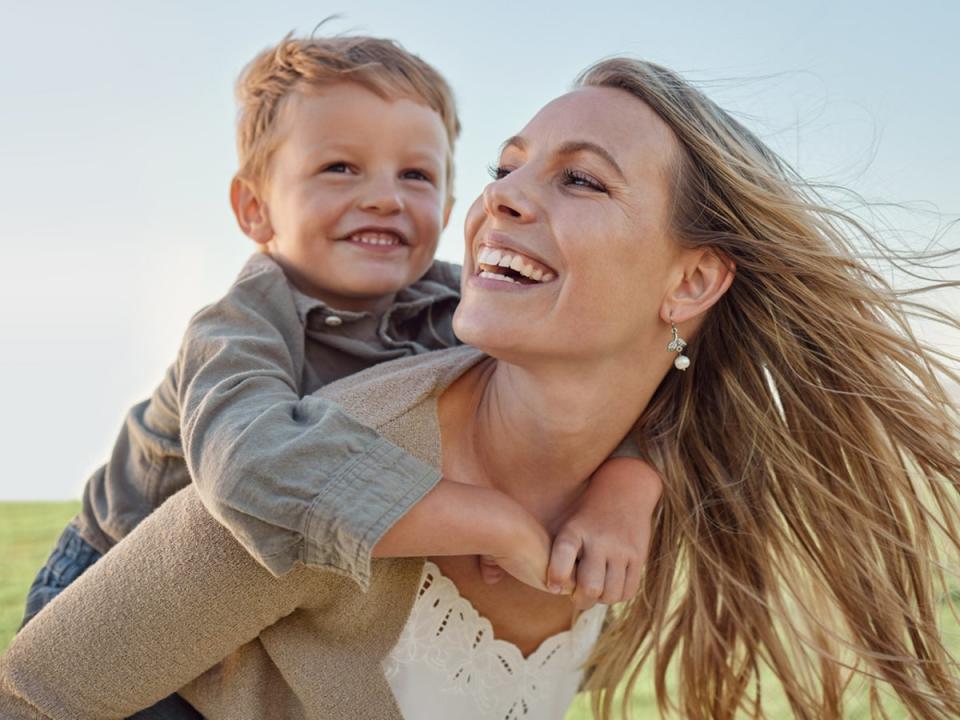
[{"x": 681, "y": 362}]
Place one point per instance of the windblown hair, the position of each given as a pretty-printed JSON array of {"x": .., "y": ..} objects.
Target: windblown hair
[
  {"x": 810, "y": 455},
  {"x": 304, "y": 64}
]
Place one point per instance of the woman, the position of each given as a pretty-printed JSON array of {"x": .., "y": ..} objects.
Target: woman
[{"x": 808, "y": 450}]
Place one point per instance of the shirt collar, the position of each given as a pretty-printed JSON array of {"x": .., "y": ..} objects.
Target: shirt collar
[
  {"x": 441, "y": 283},
  {"x": 435, "y": 286}
]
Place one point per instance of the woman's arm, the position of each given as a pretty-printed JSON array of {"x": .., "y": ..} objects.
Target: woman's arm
[{"x": 167, "y": 603}]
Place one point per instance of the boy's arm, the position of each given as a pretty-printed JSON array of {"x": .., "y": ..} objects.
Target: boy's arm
[
  {"x": 296, "y": 480},
  {"x": 601, "y": 546},
  {"x": 445, "y": 522},
  {"x": 143, "y": 469}
]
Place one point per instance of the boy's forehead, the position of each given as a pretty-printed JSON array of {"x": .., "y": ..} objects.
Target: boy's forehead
[
  {"x": 343, "y": 101},
  {"x": 346, "y": 113}
]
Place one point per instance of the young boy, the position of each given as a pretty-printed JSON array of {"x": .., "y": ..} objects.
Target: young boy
[{"x": 345, "y": 148}]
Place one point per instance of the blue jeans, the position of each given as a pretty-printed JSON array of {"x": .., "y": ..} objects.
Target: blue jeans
[{"x": 68, "y": 561}]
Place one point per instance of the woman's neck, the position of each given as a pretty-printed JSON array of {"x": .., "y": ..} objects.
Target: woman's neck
[{"x": 537, "y": 434}]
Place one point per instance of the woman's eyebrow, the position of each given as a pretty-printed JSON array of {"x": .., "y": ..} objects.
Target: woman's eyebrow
[
  {"x": 516, "y": 141},
  {"x": 573, "y": 147}
]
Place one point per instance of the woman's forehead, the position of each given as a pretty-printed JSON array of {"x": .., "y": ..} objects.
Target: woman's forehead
[{"x": 614, "y": 119}]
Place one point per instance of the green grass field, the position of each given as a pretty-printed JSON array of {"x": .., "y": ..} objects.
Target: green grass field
[{"x": 28, "y": 531}]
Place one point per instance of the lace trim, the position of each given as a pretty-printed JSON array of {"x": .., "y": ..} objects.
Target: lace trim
[{"x": 445, "y": 632}]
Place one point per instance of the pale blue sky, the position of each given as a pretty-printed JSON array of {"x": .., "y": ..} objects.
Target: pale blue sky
[{"x": 116, "y": 150}]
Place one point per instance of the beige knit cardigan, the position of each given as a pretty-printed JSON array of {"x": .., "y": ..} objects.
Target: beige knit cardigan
[{"x": 180, "y": 605}]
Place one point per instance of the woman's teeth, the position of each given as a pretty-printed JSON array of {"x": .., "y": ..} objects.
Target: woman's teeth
[
  {"x": 490, "y": 260},
  {"x": 375, "y": 238},
  {"x": 497, "y": 276}
]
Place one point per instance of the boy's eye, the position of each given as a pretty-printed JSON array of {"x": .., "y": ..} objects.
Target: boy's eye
[
  {"x": 576, "y": 178},
  {"x": 337, "y": 167},
  {"x": 416, "y": 175}
]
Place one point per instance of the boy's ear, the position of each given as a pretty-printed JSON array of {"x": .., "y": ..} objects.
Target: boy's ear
[
  {"x": 707, "y": 275},
  {"x": 447, "y": 207},
  {"x": 250, "y": 211}
]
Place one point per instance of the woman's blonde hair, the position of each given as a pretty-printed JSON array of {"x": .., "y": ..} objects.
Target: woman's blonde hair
[{"x": 809, "y": 454}]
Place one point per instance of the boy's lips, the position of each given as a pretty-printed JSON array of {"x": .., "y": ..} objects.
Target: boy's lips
[{"x": 377, "y": 237}]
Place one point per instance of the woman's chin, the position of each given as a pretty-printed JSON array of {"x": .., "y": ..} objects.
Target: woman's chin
[
  {"x": 491, "y": 334},
  {"x": 471, "y": 334}
]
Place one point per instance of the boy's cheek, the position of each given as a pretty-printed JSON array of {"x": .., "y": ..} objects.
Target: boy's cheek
[
  {"x": 430, "y": 224},
  {"x": 434, "y": 207}
]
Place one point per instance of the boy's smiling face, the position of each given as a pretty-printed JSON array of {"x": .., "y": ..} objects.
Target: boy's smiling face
[{"x": 355, "y": 195}]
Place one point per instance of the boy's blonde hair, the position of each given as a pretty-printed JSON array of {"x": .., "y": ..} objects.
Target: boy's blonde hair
[{"x": 301, "y": 64}]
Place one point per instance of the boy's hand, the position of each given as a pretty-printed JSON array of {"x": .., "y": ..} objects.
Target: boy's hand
[
  {"x": 525, "y": 556},
  {"x": 608, "y": 530}
]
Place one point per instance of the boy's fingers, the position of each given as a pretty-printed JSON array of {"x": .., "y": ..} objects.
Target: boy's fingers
[
  {"x": 613, "y": 582},
  {"x": 631, "y": 585},
  {"x": 590, "y": 576},
  {"x": 490, "y": 571},
  {"x": 563, "y": 558},
  {"x": 491, "y": 575}
]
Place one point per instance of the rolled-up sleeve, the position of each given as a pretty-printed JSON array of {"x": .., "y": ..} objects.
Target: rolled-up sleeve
[
  {"x": 293, "y": 479},
  {"x": 379, "y": 485}
]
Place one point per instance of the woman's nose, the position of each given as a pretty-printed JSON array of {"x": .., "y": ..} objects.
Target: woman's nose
[{"x": 506, "y": 198}]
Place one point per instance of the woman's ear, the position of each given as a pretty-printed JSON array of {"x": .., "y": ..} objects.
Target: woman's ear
[
  {"x": 250, "y": 211},
  {"x": 707, "y": 275}
]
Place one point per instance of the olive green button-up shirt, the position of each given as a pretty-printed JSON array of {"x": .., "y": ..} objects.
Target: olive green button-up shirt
[{"x": 294, "y": 478}]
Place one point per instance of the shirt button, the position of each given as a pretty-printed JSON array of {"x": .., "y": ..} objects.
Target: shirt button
[{"x": 333, "y": 321}]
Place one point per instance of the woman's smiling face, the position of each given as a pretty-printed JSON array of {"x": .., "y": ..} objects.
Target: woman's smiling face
[{"x": 579, "y": 209}]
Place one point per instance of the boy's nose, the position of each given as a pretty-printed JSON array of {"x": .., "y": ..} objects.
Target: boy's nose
[{"x": 382, "y": 197}]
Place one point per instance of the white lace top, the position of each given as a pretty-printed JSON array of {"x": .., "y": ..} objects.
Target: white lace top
[{"x": 447, "y": 663}]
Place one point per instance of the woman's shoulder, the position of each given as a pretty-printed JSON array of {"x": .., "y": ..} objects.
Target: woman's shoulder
[{"x": 379, "y": 395}]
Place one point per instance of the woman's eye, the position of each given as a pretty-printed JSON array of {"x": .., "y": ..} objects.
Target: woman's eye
[
  {"x": 581, "y": 179},
  {"x": 498, "y": 172}
]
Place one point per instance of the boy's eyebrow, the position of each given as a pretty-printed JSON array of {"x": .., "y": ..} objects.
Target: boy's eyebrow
[
  {"x": 327, "y": 145},
  {"x": 571, "y": 147}
]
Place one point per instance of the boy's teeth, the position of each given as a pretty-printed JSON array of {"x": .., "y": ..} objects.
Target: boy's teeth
[
  {"x": 493, "y": 257},
  {"x": 375, "y": 238}
]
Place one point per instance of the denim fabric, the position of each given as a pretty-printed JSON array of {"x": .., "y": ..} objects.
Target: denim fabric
[
  {"x": 173, "y": 707},
  {"x": 68, "y": 561}
]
